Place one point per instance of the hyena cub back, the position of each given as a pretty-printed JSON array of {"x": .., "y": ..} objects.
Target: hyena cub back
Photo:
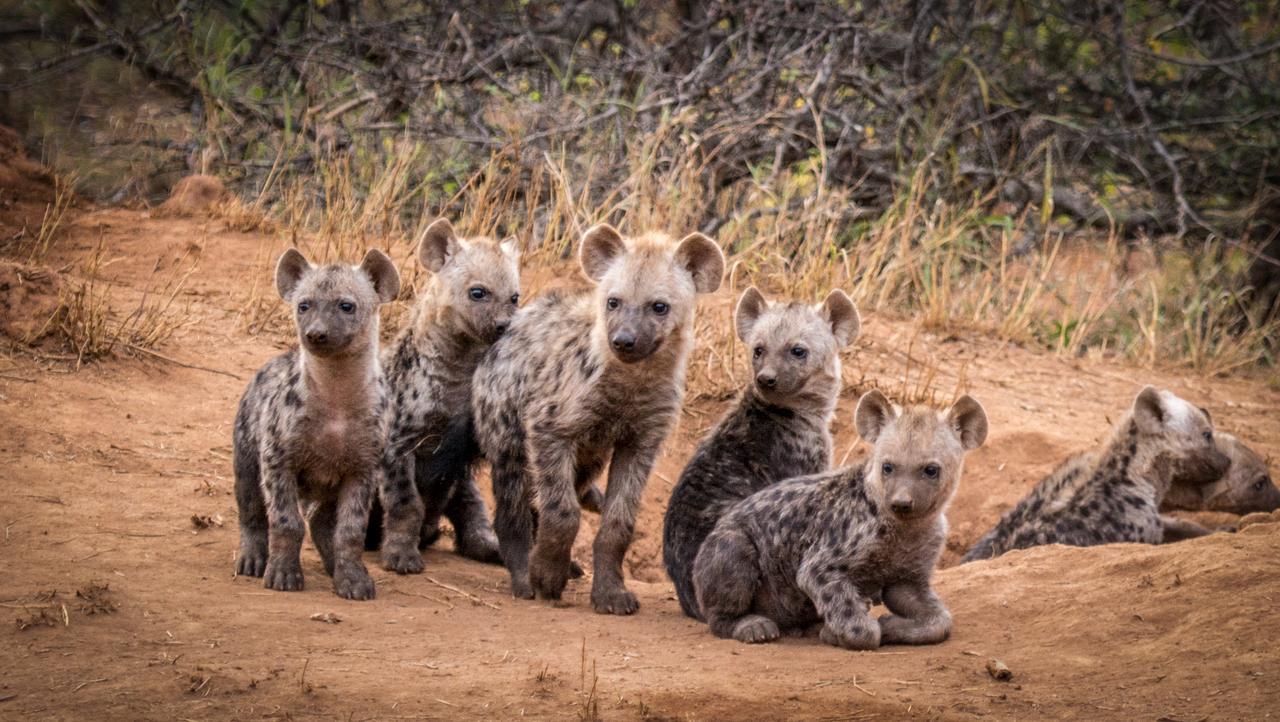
[
  {"x": 582, "y": 380},
  {"x": 1246, "y": 487},
  {"x": 778, "y": 429},
  {"x": 467, "y": 304},
  {"x": 824, "y": 548},
  {"x": 309, "y": 429},
  {"x": 1113, "y": 494}
]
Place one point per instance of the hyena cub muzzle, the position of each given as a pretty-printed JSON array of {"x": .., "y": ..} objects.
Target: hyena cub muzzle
[
  {"x": 777, "y": 430},
  {"x": 467, "y": 304},
  {"x": 309, "y": 427},
  {"x": 1246, "y": 487},
  {"x": 825, "y": 548},
  {"x": 581, "y": 381}
]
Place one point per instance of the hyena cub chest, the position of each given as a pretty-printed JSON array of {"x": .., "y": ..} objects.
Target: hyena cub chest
[{"x": 333, "y": 444}]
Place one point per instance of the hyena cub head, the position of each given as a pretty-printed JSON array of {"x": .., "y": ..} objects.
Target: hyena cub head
[
  {"x": 646, "y": 287},
  {"x": 795, "y": 348},
  {"x": 1176, "y": 438},
  {"x": 1247, "y": 485},
  {"x": 476, "y": 281},
  {"x": 917, "y": 453},
  {"x": 336, "y": 306}
]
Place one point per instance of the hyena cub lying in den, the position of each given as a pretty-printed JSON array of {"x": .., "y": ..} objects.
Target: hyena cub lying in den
[
  {"x": 825, "y": 548},
  {"x": 1113, "y": 494},
  {"x": 466, "y": 306},
  {"x": 777, "y": 430},
  {"x": 1246, "y": 487},
  {"x": 581, "y": 379},
  {"x": 309, "y": 427}
]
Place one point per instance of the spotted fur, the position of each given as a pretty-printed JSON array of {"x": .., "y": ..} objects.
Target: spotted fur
[
  {"x": 777, "y": 430},
  {"x": 582, "y": 380},
  {"x": 1113, "y": 493},
  {"x": 825, "y": 548},
  {"x": 467, "y": 304},
  {"x": 309, "y": 428}
]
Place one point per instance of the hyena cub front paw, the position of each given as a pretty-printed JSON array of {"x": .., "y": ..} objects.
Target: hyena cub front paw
[
  {"x": 402, "y": 560},
  {"x": 251, "y": 561},
  {"x": 480, "y": 546},
  {"x": 548, "y": 578},
  {"x": 756, "y": 629},
  {"x": 353, "y": 582},
  {"x": 283, "y": 575},
  {"x": 859, "y": 638},
  {"x": 614, "y": 601}
]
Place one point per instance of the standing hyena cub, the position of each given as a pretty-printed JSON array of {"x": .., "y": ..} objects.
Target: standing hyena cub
[
  {"x": 1113, "y": 494},
  {"x": 466, "y": 306},
  {"x": 581, "y": 379},
  {"x": 825, "y": 548},
  {"x": 309, "y": 427},
  {"x": 777, "y": 430}
]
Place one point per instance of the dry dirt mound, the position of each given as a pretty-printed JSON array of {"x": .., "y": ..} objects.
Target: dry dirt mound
[
  {"x": 194, "y": 194},
  {"x": 29, "y": 297}
]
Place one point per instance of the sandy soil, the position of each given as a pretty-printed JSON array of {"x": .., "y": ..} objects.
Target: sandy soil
[{"x": 105, "y": 467}]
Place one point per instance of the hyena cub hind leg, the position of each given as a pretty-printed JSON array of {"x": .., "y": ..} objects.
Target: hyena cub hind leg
[
  {"x": 251, "y": 561},
  {"x": 726, "y": 578}
]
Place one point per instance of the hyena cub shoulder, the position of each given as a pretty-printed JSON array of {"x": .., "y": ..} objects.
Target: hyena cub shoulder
[
  {"x": 309, "y": 427},
  {"x": 1246, "y": 487},
  {"x": 466, "y": 305},
  {"x": 824, "y": 548},
  {"x": 1113, "y": 493},
  {"x": 777, "y": 430},
  {"x": 581, "y": 380}
]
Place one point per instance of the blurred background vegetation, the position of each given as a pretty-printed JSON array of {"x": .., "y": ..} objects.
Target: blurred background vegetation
[{"x": 1088, "y": 176}]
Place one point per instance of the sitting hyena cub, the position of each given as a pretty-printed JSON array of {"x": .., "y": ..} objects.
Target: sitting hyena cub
[
  {"x": 1246, "y": 487},
  {"x": 466, "y": 306},
  {"x": 778, "y": 429},
  {"x": 309, "y": 427},
  {"x": 1113, "y": 494},
  {"x": 581, "y": 379},
  {"x": 825, "y": 548}
]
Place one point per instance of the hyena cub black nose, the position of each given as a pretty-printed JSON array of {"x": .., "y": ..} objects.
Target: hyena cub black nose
[
  {"x": 772, "y": 433},
  {"x": 309, "y": 427},
  {"x": 822, "y": 548}
]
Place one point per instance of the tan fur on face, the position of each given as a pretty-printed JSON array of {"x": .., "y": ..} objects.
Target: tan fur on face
[{"x": 460, "y": 265}]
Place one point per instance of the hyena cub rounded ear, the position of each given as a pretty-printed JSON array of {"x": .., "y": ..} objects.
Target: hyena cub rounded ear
[
  {"x": 969, "y": 420},
  {"x": 290, "y": 269},
  {"x": 437, "y": 244},
  {"x": 1149, "y": 412},
  {"x": 511, "y": 247},
  {"x": 751, "y": 306},
  {"x": 703, "y": 259},
  {"x": 382, "y": 273},
  {"x": 601, "y": 245},
  {"x": 874, "y": 413},
  {"x": 840, "y": 312}
]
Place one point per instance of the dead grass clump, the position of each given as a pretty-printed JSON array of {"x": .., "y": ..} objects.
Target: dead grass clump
[
  {"x": 29, "y": 298},
  {"x": 96, "y": 598}
]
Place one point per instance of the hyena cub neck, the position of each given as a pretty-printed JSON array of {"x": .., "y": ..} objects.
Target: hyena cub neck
[
  {"x": 308, "y": 427},
  {"x": 825, "y": 548},
  {"x": 466, "y": 306},
  {"x": 1113, "y": 494},
  {"x": 778, "y": 429},
  {"x": 1246, "y": 487}
]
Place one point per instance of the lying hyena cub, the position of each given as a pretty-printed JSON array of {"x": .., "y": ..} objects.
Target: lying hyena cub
[
  {"x": 1246, "y": 487},
  {"x": 778, "y": 429},
  {"x": 1113, "y": 494},
  {"x": 466, "y": 306},
  {"x": 309, "y": 427},
  {"x": 581, "y": 379},
  {"x": 824, "y": 548}
]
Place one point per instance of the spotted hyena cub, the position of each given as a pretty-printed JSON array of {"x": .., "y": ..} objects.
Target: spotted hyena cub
[
  {"x": 1113, "y": 493},
  {"x": 1246, "y": 487},
  {"x": 467, "y": 304},
  {"x": 777, "y": 430},
  {"x": 824, "y": 548},
  {"x": 309, "y": 427},
  {"x": 581, "y": 380}
]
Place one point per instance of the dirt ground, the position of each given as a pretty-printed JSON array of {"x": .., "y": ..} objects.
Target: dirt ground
[{"x": 118, "y": 475}]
